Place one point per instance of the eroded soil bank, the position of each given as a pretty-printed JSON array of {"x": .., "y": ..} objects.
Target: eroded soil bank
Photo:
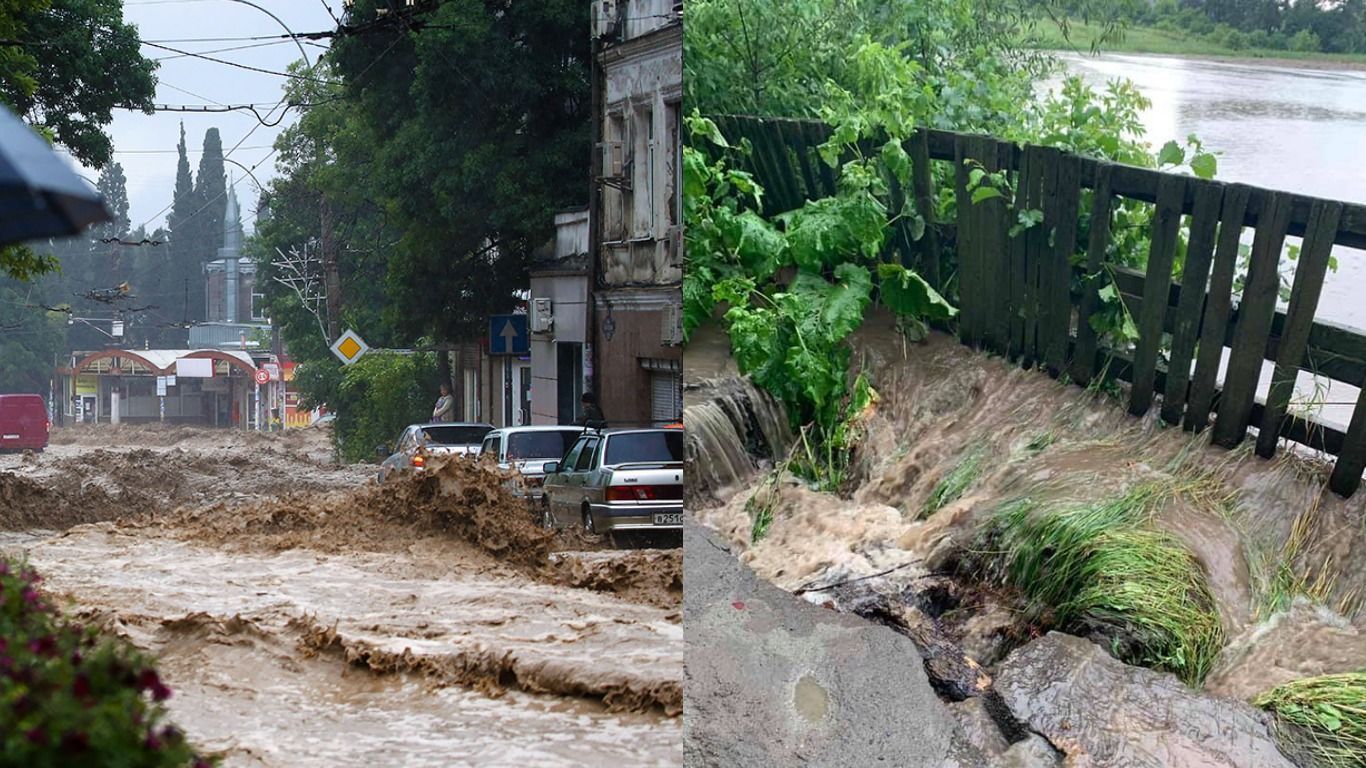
[
  {"x": 291, "y": 601},
  {"x": 956, "y": 436}
]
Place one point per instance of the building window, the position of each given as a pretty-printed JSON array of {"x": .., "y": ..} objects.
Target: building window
[
  {"x": 675, "y": 173},
  {"x": 258, "y": 306},
  {"x": 666, "y": 397},
  {"x": 617, "y": 201},
  {"x": 642, "y": 193}
]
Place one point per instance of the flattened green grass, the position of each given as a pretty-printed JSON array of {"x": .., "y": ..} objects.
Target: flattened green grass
[
  {"x": 955, "y": 483},
  {"x": 1095, "y": 570},
  {"x": 1327, "y": 715}
]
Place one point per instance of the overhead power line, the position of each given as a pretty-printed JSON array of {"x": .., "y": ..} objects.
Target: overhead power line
[
  {"x": 239, "y": 65},
  {"x": 223, "y": 50}
]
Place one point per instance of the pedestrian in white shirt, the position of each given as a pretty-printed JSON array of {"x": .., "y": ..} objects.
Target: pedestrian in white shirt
[{"x": 445, "y": 405}]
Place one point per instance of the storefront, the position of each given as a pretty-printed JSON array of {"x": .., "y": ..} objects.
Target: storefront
[{"x": 206, "y": 387}]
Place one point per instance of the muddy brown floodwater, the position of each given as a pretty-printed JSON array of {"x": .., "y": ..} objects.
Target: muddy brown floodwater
[
  {"x": 305, "y": 617},
  {"x": 1249, "y": 523}
]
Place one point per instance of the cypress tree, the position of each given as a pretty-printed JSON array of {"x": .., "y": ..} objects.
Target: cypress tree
[
  {"x": 211, "y": 189},
  {"x": 181, "y": 231}
]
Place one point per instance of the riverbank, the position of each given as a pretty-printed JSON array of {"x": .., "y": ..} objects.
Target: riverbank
[{"x": 1149, "y": 40}]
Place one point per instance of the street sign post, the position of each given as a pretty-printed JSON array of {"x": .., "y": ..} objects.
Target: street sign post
[
  {"x": 262, "y": 376},
  {"x": 349, "y": 347},
  {"x": 508, "y": 335}
]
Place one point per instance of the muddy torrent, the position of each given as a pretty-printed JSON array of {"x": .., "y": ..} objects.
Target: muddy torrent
[
  {"x": 429, "y": 619},
  {"x": 956, "y": 438}
]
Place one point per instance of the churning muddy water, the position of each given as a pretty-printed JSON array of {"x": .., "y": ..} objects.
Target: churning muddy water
[
  {"x": 1285, "y": 560},
  {"x": 425, "y": 624}
]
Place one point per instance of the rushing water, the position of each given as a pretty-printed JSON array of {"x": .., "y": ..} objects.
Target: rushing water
[
  {"x": 1059, "y": 446},
  {"x": 1290, "y": 128}
]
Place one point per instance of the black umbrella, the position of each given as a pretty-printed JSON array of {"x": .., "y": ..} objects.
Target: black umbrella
[{"x": 39, "y": 195}]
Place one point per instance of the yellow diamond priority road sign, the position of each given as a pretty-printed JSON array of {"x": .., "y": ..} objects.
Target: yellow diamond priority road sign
[{"x": 349, "y": 347}]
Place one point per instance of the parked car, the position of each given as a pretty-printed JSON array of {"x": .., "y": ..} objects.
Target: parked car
[
  {"x": 419, "y": 441},
  {"x": 618, "y": 481},
  {"x": 24, "y": 423},
  {"x": 526, "y": 450}
]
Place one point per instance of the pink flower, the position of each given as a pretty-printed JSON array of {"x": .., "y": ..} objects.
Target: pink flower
[
  {"x": 43, "y": 646},
  {"x": 149, "y": 681}
]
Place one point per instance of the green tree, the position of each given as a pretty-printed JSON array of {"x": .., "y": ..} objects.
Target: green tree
[
  {"x": 83, "y": 62},
  {"x": 113, "y": 187},
  {"x": 1305, "y": 41},
  {"x": 181, "y": 232},
  {"x": 478, "y": 132},
  {"x": 30, "y": 340}
]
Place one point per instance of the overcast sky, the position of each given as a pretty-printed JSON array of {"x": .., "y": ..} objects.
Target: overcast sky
[{"x": 146, "y": 144}]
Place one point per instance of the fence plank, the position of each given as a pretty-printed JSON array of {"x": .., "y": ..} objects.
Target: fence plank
[
  {"x": 1346, "y": 477},
  {"x": 1299, "y": 318},
  {"x": 1036, "y": 242},
  {"x": 1058, "y": 264},
  {"x": 1018, "y": 247},
  {"x": 1214, "y": 325},
  {"x": 815, "y": 134},
  {"x": 967, "y": 247},
  {"x": 1194, "y": 279},
  {"x": 781, "y": 162},
  {"x": 1166, "y": 225},
  {"x": 992, "y": 214},
  {"x": 1101, "y": 201},
  {"x": 922, "y": 182},
  {"x": 1255, "y": 311}
]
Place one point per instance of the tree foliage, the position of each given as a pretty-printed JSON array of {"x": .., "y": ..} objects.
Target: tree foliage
[
  {"x": 476, "y": 130},
  {"x": 439, "y": 156},
  {"x": 83, "y": 62},
  {"x": 1302, "y": 26}
]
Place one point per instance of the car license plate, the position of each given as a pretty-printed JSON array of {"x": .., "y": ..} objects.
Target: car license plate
[
  {"x": 11, "y": 437},
  {"x": 669, "y": 518}
]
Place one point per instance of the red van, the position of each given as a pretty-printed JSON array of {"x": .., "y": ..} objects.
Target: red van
[{"x": 23, "y": 423}]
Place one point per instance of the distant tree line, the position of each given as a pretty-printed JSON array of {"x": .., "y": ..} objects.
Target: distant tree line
[{"x": 1292, "y": 25}]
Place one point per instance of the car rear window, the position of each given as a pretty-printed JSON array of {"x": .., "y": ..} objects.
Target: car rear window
[
  {"x": 645, "y": 447},
  {"x": 455, "y": 435},
  {"x": 541, "y": 445}
]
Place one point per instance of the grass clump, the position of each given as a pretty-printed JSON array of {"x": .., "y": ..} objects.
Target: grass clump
[
  {"x": 1285, "y": 573},
  {"x": 1095, "y": 570},
  {"x": 958, "y": 480},
  {"x": 1323, "y": 716}
]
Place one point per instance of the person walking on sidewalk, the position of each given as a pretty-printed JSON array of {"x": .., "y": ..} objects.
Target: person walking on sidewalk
[
  {"x": 592, "y": 415},
  {"x": 445, "y": 406}
]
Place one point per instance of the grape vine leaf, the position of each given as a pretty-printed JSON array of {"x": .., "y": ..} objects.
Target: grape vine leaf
[
  {"x": 1171, "y": 154},
  {"x": 1204, "y": 165}
]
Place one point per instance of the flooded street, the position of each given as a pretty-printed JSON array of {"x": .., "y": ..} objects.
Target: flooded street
[{"x": 290, "y": 604}]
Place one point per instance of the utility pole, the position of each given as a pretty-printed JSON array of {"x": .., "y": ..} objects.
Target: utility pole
[{"x": 331, "y": 272}]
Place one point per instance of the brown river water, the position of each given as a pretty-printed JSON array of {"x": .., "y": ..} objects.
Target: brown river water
[
  {"x": 1296, "y": 128},
  {"x": 305, "y": 618},
  {"x": 1054, "y": 443}
]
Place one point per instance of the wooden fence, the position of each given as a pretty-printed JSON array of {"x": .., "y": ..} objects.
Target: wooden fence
[{"x": 1020, "y": 295}]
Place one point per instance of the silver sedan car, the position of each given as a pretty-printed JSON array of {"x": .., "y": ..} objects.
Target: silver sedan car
[
  {"x": 526, "y": 450},
  {"x": 618, "y": 481}
]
